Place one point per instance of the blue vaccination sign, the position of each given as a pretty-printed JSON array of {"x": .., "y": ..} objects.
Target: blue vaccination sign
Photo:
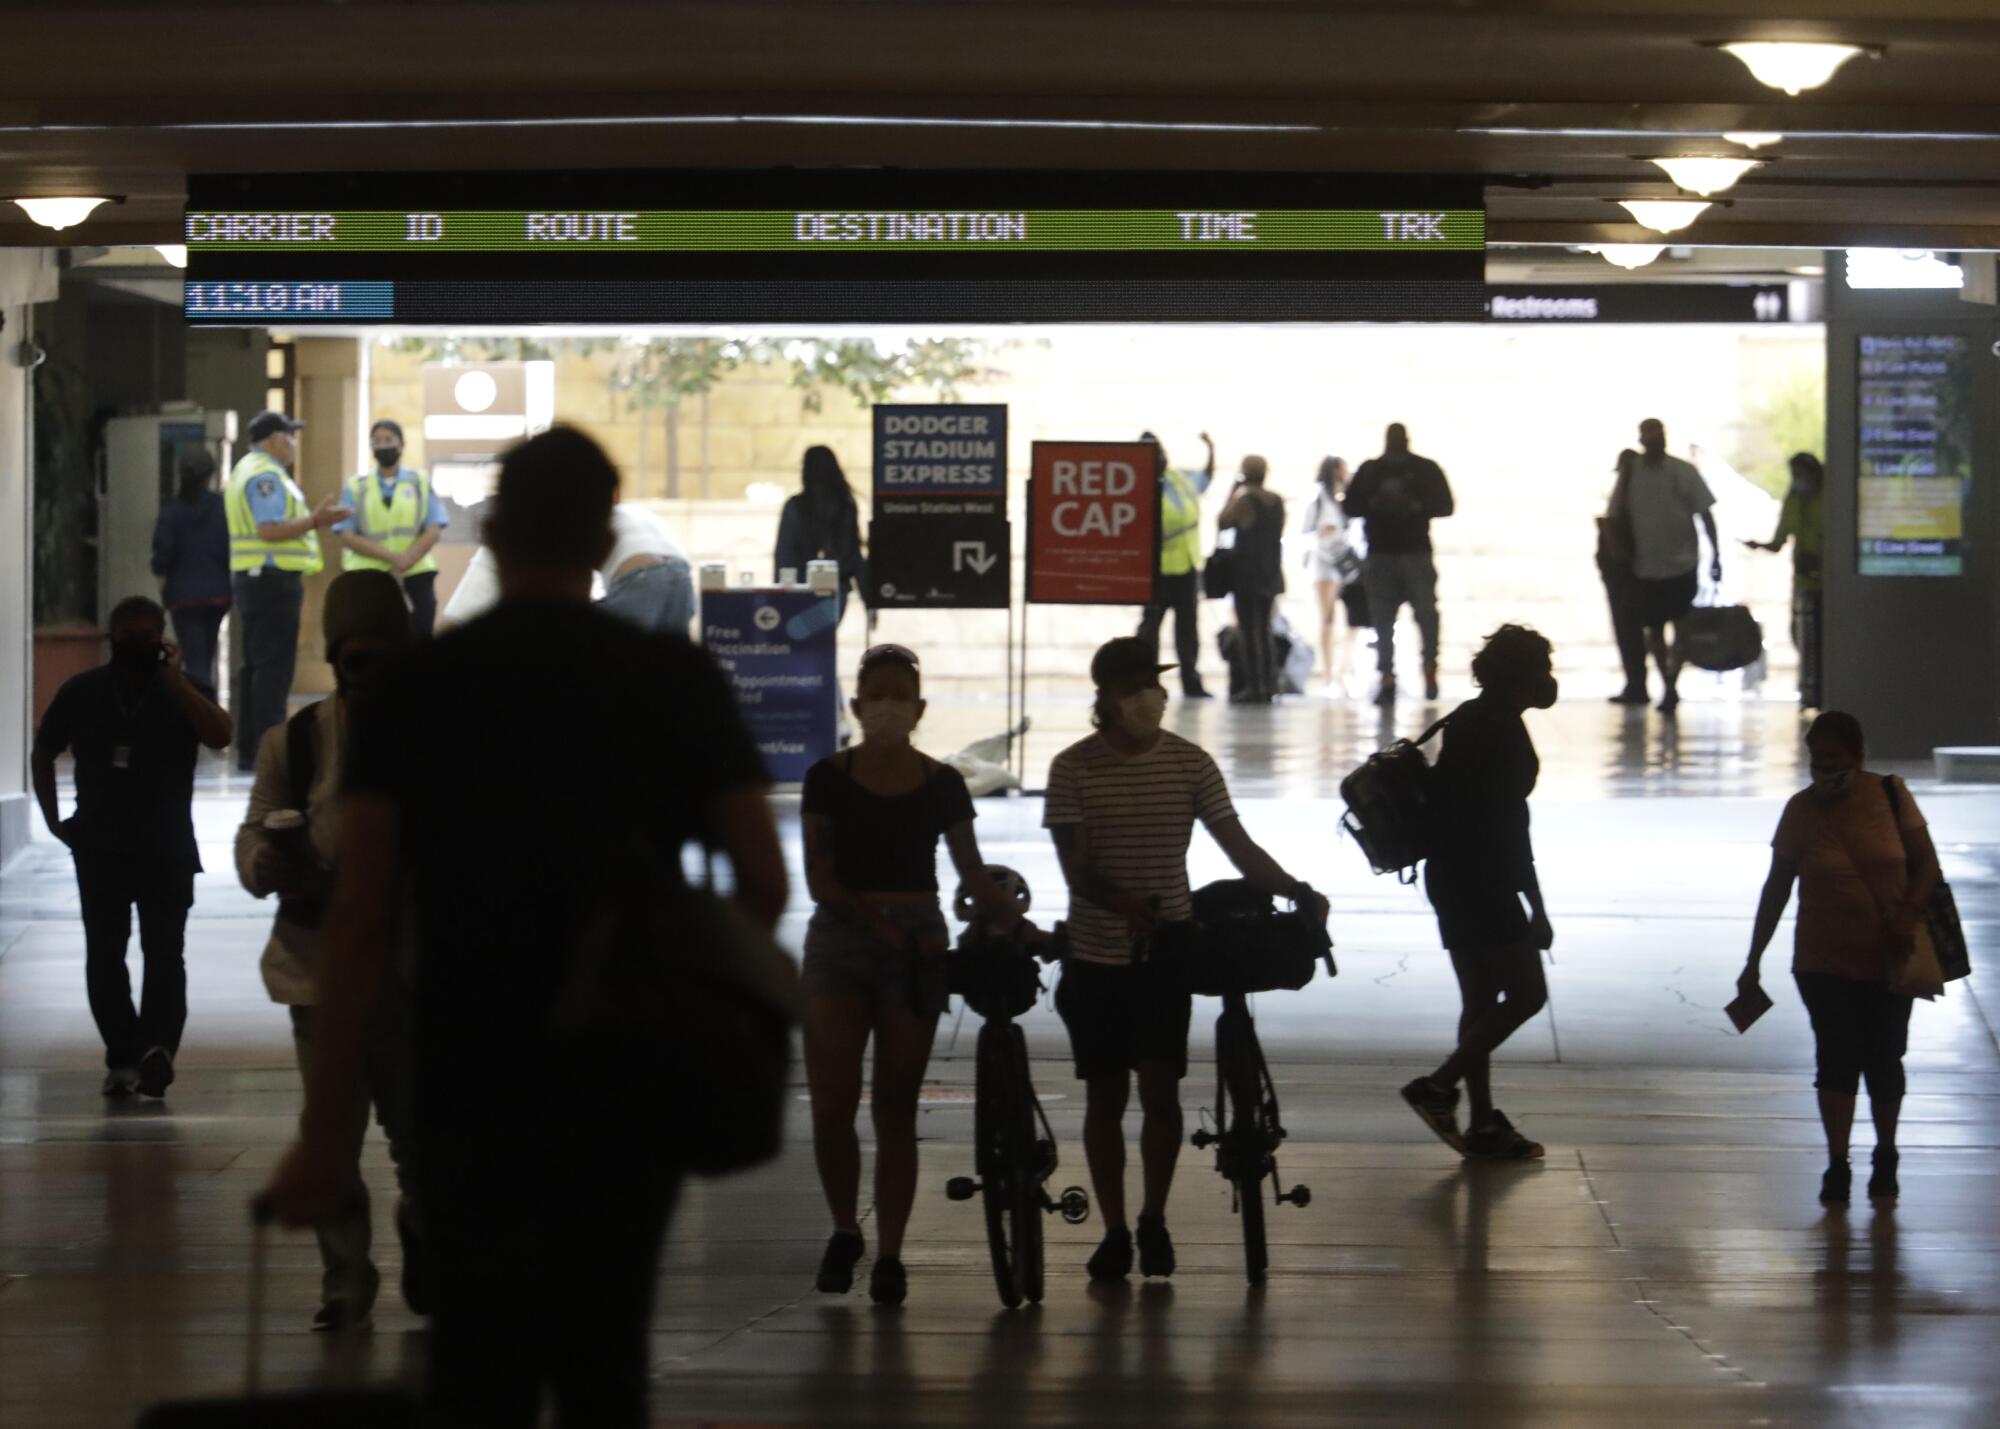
[
  {"x": 776, "y": 649},
  {"x": 291, "y": 301}
]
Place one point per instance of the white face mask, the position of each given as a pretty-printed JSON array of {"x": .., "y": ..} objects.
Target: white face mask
[
  {"x": 1829, "y": 787},
  {"x": 886, "y": 722},
  {"x": 1141, "y": 713}
]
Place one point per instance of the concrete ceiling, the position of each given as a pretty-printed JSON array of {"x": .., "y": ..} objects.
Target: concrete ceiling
[{"x": 1555, "y": 101}]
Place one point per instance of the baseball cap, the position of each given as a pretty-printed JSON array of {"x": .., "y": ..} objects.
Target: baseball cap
[
  {"x": 1127, "y": 660},
  {"x": 366, "y": 603},
  {"x": 266, "y": 424}
]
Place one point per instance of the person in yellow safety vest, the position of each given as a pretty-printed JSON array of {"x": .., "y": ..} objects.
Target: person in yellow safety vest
[
  {"x": 273, "y": 547},
  {"x": 397, "y": 519},
  {"x": 1179, "y": 588}
]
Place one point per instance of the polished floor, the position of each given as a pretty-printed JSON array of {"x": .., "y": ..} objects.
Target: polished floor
[{"x": 1668, "y": 1263}]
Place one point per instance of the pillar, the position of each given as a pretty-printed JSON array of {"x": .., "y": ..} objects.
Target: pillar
[{"x": 330, "y": 402}]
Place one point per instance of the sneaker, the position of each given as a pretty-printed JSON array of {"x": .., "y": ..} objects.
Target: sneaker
[
  {"x": 1499, "y": 1141},
  {"x": 121, "y": 1081},
  {"x": 416, "y": 1261},
  {"x": 1112, "y": 1260},
  {"x": 156, "y": 1072},
  {"x": 1634, "y": 696},
  {"x": 888, "y": 1283},
  {"x": 1438, "y": 1106},
  {"x": 836, "y": 1268},
  {"x": 1386, "y": 695},
  {"x": 1431, "y": 683},
  {"x": 1156, "y": 1247},
  {"x": 336, "y": 1316},
  {"x": 1882, "y": 1181},
  {"x": 1837, "y": 1186},
  {"x": 1196, "y": 692},
  {"x": 1670, "y": 702}
]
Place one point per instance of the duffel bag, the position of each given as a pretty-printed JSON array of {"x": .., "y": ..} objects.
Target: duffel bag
[
  {"x": 1240, "y": 942},
  {"x": 1721, "y": 637}
]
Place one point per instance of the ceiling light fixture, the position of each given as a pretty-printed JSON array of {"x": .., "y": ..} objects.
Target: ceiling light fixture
[
  {"x": 1664, "y": 215},
  {"x": 174, "y": 253},
  {"x": 1794, "y": 66},
  {"x": 58, "y": 212},
  {"x": 1752, "y": 138},
  {"x": 1627, "y": 255},
  {"x": 1901, "y": 268},
  {"x": 1706, "y": 175}
]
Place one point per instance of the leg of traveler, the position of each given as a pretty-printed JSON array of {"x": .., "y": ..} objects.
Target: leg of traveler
[
  {"x": 1159, "y": 1134},
  {"x": 903, "y": 1040},
  {"x": 1841, "y": 1042},
  {"x": 1657, "y": 644},
  {"x": 270, "y": 603},
  {"x": 836, "y": 1039},
  {"x": 1154, "y": 615},
  {"x": 388, "y": 1069},
  {"x": 1626, "y": 631},
  {"x": 421, "y": 590},
  {"x": 242, "y": 695},
  {"x": 1419, "y": 583},
  {"x": 103, "y": 886},
  {"x": 676, "y": 614},
  {"x": 1806, "y": 635},
  {"x": 197, "y": 628},
  {"x": 610, "y": 1216},
  {"x": 1514, "y": 989},
  {"x": 1253, "y": 621},
  {"x": 487, "y": 1357},
  {"x": 1882, "y": 1063},
  {"x": 1105, "y": 1099},
  {"x": 348, "y": 1278},
  {"x": 1385, "y": 603},
  {"x": 163, "y": 892},
  {"x": 1186, "y": 591},
  {"x": 1478, "y": 993}
]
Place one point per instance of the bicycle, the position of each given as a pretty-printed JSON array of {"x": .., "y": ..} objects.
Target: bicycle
[
  {"x": 1014, "y": 1150},
  {"x": 1240, "y": 950}
]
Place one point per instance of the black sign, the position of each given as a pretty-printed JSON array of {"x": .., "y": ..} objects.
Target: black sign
[
  {"x": 941, "y": 555},
  {"x": 1640, "y": 303},
  {"x": 941, "y": 450}
]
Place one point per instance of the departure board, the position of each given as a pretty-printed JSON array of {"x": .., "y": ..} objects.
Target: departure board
[
  {"x": 832, "y": 246},
  {"x": 1914, "y": 473}
]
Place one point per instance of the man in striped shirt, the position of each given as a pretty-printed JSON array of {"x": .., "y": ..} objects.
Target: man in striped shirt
[{"x": 1122, "y": 806}]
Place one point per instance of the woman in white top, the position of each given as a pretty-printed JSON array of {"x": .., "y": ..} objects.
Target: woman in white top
[
  {"x": 647, "y": 577},
  {"x": 1328, "y": 526}
]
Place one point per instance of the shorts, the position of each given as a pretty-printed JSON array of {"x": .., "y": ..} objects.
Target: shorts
[
  {"x": 1121, "y": 1015},
  {"x": 1475, "y": 914},
  {"x": 843, "y": 961},
  {"x": 1861, "y": 1029},
  {"x": 1661, "y": 603}
]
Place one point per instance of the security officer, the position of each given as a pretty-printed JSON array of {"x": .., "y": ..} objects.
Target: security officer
[
  {"x": 397, "y": 519},
  {"x": 273, "y": 547},
  {"x": 1179, "y": 586}
]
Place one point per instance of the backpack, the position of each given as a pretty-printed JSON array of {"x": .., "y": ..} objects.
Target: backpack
[{"x": 1388, "y": 805}]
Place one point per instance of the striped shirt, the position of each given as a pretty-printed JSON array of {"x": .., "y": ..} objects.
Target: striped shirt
[{"x": 1138, "y": 813}]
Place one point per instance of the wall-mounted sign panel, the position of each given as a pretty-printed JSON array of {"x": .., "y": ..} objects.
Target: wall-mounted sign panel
[{"x": 1914, "y": 466}]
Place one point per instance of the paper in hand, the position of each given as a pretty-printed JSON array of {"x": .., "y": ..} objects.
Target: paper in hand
[{"x": 1748, "y": 1007}]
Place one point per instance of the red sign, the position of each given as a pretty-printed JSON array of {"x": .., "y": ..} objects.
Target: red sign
[{"x": 1093, "y": 523}]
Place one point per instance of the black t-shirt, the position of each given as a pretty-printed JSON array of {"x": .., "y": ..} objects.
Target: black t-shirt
[
  {"x": 1480, "y": 787},
  {"x": 1398, "y": 496},
  {"x": 135, "y": 756},
  {"x": 528, "y": 752},
  {"x": 1260, "y": 547},
  {"x": 885, "y": 844}
]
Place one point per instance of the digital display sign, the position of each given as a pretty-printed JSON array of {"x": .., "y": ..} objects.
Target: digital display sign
[
  {"x": 843, "y": 246},
  {"x": 1915, "y": 453}
]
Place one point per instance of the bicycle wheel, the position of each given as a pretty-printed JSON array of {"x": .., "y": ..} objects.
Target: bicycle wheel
[
  {"x": 1025, "y": 1204},
  {"x": 998, "y": 1170},
  {"x": 1248, "y": 1155}
]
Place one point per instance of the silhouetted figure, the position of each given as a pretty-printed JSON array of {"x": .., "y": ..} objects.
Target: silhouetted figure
[
  {"x": 397, "y": 522},
  {"x": 1857, "y": 846},
  {"x": 1802, "y": 521},
  {"x": 823, "y": 523},
  {"x": 1397, "y": 495},
  {"x": 1663, "y": 498},
  {"x": 1122, "y": 805},
  {"x": 135, "y": 725},
  {"x": 1257, "y": 515},
  {"x": 1480, "y": 869},
  {"x": 647, "y": 577},
  {"x": 1621, "y": 587},
  {"x": 875, "y": 954},
  {"x": 287, "y": 846},
  {"x": 1329, "y": 561},
  {"x": 191, "y": 555},
  {"x": 1178, "y": 588},
  {"x": 585, "y": 751}
]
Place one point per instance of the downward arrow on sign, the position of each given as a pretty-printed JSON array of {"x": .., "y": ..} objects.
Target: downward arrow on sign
[{"x": 973, "y": 554}]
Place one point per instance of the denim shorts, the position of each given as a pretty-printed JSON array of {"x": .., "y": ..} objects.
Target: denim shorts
[
  {"x": 843, "y": 960},
  {"x": 658, "y": 597}
]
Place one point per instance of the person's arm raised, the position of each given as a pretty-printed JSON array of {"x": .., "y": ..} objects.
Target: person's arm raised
[{"x": 212, "y": 725}]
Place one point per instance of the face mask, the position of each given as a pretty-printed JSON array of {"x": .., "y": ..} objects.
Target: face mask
[
  {"x": 1829, "y": 787},
  {"x": 137, "y": 656},
  {"x": 386, "y": 457},
  {"x": 886, "y": 721},
  {"x": 1141, "y": 713},
  {"x": 1545, "y": 695},
  {"x": 354, "y": 673}
]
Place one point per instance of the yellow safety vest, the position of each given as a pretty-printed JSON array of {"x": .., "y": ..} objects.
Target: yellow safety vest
[
  {"x": 395, "y": 523},
  {"x": 1180, "y": 524},
  {"x": 248, "y": 551}
]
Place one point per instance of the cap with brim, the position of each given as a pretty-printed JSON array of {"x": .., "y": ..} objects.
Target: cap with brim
[
  {"x": 1125, "y": 661},
  {"x": 266, "y": 424}
]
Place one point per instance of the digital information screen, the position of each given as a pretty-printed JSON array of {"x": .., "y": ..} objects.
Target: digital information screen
[
  {"x": 1915, "y": 467},
  {"x": 873, "y": 246}
]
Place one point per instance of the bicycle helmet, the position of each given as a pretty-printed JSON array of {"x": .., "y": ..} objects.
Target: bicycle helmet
[{"x": 966, "y": 908}]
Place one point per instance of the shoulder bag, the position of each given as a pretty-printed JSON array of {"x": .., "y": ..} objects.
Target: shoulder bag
[{"x": 1939, "y": 915}]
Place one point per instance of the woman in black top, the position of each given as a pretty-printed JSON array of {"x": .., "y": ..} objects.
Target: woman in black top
[
  {"x": 1480, "y": 867},
  {"x": 1257, "y": 516},
  {"x": 874, "y": 953},
  {"x": 822, "y": 523},
  {"x": 191, "y": 555}
]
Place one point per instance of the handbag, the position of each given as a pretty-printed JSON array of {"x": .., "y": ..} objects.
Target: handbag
[
  {"x": 1938, "y": 919},
  {"x": 1218, "y": 577}
]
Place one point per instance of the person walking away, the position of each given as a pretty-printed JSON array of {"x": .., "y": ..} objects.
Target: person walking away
[
  {"x": 875, "y": 954},
  {"x": 1480, "y": 869},
  {"x": 585, "y": 749},
  {"x": 823, "y": 523},
  {"x": 647, "y": 578},
  {"x": 135, "y": 726},
  {"x": 1664, "y": 498},
  {"x": 1179, "y": 584},
  {"x": 299, "y": 765},
  {"x": 191, "y": 557},
  {"x": 1621, "y": 588},
  {"x": 397, "y": 522},
  {"x": 1122, "y": 806},
  {"x": 1326, "y": 524},
  {"x": 1802, "y": 521},
  {"x": 1857, "y": 846},
  {"x": 1396, "y": 496},
  {"x": 1257, "y": 515},
  {"x": 273, "y": 547}
]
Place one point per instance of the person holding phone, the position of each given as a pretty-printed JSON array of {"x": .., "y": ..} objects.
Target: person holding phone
[
  {"x": 136, "y": 726},
  {"x": 1802, "y": 522},
  {"x": 874, "y": 954}
]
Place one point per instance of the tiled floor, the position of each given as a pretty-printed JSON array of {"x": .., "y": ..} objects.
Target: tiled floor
[{"x": 1667, "y": 1264}]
